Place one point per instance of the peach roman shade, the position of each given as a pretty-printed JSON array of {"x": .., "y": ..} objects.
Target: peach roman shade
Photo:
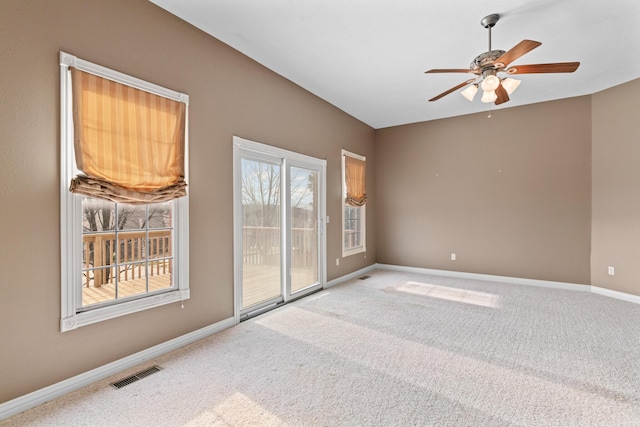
[
  {"x": 129, "y": 143},
  {"x": 354, "y": 171}
]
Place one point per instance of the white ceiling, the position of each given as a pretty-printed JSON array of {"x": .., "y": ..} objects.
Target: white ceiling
[{"x": 368, "y": 57}]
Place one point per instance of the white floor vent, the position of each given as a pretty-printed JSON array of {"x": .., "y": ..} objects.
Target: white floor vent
[{"x": 135, "y": 377}]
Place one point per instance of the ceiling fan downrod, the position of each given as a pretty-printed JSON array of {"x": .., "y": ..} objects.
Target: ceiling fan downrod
[{"x": 489, "y": 22}]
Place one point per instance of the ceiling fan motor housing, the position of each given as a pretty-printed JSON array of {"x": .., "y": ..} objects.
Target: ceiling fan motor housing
[{"x": 485, "y": 60}]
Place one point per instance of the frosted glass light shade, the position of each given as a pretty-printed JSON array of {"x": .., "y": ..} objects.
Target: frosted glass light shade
[
  {"x": 490, "y": 83},
  {"x": 489, "y": 96},
  {"x": 510, "y": 85},
  {"x": 470, "y": 92}
]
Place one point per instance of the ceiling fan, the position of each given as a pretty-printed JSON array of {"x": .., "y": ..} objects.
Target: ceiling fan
[{"x": 487, "y": 65}]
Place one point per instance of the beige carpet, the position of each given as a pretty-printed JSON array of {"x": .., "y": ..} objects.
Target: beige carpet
[{"x": 397, "y": 349}]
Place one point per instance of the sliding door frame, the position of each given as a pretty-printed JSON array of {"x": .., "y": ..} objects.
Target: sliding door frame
[{"x": 255, "y": 150}]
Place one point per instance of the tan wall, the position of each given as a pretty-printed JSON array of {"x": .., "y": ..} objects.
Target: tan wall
[
  {"x": 510, "y": 194},
  {"x": 616, "y": 188},
  {"x": 229, "y": 95}
]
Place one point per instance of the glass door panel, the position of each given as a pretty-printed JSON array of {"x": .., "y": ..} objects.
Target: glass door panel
[
  {"x": 279, "y": 239},
  {"x": 303, "y": 193},
  {"x": 261, "y": 232}
]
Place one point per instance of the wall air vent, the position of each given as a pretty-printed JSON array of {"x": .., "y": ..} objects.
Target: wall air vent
[{"x": 135, "y": 377}]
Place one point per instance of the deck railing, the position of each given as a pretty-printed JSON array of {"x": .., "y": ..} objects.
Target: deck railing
[
  {"x": 102, "y": 259},
  {"x": 261, "y": 245}
]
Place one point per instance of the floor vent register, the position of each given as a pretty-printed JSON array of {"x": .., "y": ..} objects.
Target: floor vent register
[{"x": 136, "y": 377}]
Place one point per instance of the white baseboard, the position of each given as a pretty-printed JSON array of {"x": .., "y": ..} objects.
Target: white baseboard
[
  {"x": 22, "y": 403},
  {"x": 616, "y": 294},
  {"x": 488, "y": 277},
  {"x": 350, "y": 276},
  {"x": 516, "y": 280},
  {"x": 51, "y": 392},
  {"x": 61, "y": 388}
]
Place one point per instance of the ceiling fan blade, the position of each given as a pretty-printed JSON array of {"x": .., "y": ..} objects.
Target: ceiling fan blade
[
  {"x": 516, "y": 52},
  {"x": 453, "y": 89},
  {"x": 558, "y": 67},
  {"x": 449, "y": 70},
  {"x": 502, "y": 95}
]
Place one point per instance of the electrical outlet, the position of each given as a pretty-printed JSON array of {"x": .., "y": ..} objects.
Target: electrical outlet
[
  {"x": 611, "y": 271},
  {"x": 453, "y": 257},
  {"x": 337, "y": 261}
]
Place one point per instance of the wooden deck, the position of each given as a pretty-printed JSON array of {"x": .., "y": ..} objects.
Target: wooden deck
[
  {"x": 261, "y": 282},
  {"x": 126, "y": 288},
  {"x": 133, "y": 254}
]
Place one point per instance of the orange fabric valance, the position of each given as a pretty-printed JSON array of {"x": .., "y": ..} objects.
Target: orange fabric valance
[
  {"x": 129, "y": 143},
  {"x": 355, "y": 181}
]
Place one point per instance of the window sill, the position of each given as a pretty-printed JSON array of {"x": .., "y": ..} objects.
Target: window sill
[
  {"x": 354, "y": 251},
  {"x": 98, "y": 315}
]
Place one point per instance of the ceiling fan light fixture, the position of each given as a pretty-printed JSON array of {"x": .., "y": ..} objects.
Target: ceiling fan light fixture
[
  {"x": 510, "y": 85},
  {"x": 470, "y": 92},
  {"x": 489, "y": 96},
  {"x": 490, "y": 83}
]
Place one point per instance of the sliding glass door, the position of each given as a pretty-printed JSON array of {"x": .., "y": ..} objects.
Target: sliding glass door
[
  {"x": 279, "y": 226},
  {"x": 261, "y": 231},
  {"x": 303, "y": 227}
]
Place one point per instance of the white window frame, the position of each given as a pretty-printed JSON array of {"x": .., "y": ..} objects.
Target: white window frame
[
  {"x": 363, "y": 210},
  {"x": 71, "y": 212}
]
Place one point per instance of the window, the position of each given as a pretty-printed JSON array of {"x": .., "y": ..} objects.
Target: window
[
  {"x": 124, "y": 237},
  {"x": 354, "y": 204}
]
